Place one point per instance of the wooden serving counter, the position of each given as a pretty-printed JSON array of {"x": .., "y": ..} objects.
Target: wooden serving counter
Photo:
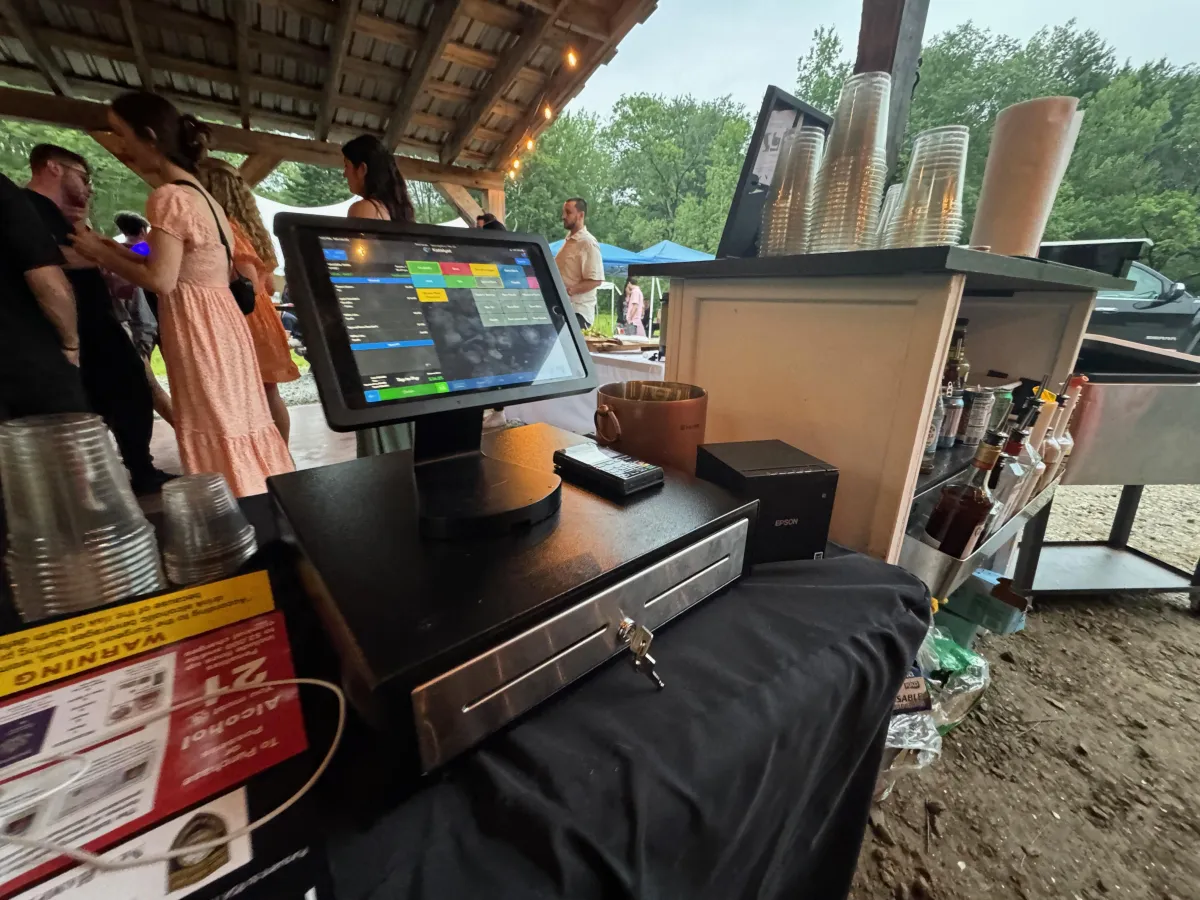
[{"x": 841, "y": 354}]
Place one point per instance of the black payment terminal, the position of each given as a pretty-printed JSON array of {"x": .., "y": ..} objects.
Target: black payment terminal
[{"x": 605, "y": 470}]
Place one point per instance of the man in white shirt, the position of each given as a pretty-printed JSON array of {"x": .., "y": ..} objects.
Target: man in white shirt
[{"x": 579, "y": 262}]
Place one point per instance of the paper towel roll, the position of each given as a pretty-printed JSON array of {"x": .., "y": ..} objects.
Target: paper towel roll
[{"x": 1031, "y": 146}]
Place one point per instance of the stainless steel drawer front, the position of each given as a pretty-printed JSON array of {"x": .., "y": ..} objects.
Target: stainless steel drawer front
[{"x": 460, "y": 707}]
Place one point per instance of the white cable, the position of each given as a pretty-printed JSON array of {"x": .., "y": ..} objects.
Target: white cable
[
  {"x": 98, "y": 862},
  {"x": 20, "y": 804}
]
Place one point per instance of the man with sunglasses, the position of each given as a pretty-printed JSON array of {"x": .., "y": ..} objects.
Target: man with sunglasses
[{"x": 113, "y": 376}]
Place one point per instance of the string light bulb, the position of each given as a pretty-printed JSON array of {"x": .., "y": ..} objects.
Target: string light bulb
[
  {"x": 529, "y": 144},
  {"x": 572, "y": 58},
  {"x": 516, "y": 164},
  {"x": 548, "y": 112}
]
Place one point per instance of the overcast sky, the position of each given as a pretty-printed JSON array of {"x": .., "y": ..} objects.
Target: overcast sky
[{"x": 712, "y": 47}]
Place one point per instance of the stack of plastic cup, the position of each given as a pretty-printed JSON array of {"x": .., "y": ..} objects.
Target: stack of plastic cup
[
  {"x": 787, "y": 214},
  {"x": 930, "y": 210},
  {"x": 891, "y": 200},
  {"x": 76, "y": 535},
  {"x": 206, "y": 536},
  {"x": 854, "y": 171}
]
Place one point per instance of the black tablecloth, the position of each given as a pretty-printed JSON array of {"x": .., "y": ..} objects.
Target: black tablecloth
[{"x": 750, "y": 775}]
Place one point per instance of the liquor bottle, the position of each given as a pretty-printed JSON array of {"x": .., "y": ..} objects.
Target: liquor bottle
[
  {"x": 962, "y": 509},
  {"x": 1037, "y": 464},
  {"x": 958, "y": 369},
  {"x": 929, "y": 457},
  {"x": 1066, "y": 443},
  {"x": 1051, "y": 449},
  {"x": 1007, "y": 475}
]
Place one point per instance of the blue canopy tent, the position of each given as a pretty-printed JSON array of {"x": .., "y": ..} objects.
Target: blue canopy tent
[
  {"x": 616, "y": 260},
  {"x": 667, "y": 252}
]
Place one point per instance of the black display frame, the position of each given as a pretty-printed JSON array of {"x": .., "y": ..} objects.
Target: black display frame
[
  {"x": 328, "y": 347},
  {"x": 740, "y": 236}
]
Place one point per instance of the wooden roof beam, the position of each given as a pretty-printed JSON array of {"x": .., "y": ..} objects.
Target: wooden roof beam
[
  {"x": 339, "y": 48},
  {"x": 462, "y": 201},
  {"x": 89, "y": 116},
  {"x": 437, "y": 36},
  {"x": 582, "y": 20},
  {"x": 528, "y": 40},
  {"x": 257, "y": 166},
  {"x": 568, "y": 82},
  {"x": 38, "y": 52},
  {"x": 129, "y": 20},
  {"x": 241, "y": 31}
]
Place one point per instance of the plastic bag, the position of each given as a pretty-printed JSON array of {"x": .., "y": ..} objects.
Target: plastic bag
[
  {"x": 916, "y": 736},
  {"x": 957, "y": 678}
]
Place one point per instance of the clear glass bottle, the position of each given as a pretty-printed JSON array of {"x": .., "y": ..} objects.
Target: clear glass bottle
[
  {"x": 1006, "y": 478},
  {"x": 929, "y": 457},
  {"x": 963, "y": 508},
  {"x": 1037, "y": 465},
  {"x": 958, "y": 369}
]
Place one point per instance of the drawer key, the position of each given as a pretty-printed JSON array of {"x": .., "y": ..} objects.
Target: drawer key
[{"x": 638, "y": 637}]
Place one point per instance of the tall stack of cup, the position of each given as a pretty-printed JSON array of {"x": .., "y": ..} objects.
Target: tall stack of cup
[
  {"x": 206, "y": 535},
  {"x": 854, "y": 170},
  {"x": 76, "y": 535},
  {"x": 930, "y": 210},
  {"x": 787, "y": 215}
]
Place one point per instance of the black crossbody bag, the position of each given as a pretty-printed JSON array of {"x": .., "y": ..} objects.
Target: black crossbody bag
[{"x": 240, "y": 286}]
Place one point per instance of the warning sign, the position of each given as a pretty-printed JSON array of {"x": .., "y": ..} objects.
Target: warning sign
[{"x": 47, "y": 653}]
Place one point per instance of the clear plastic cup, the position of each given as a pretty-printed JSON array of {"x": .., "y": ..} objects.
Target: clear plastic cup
[
  {"x": 930, "y": 208},
  {"x": 206, "y": 535},
  {"x": 77, "y": 536},
  {"x": 788, "y": 212}
]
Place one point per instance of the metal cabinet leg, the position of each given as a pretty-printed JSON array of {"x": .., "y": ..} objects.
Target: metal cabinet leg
[
  {"x": 1122, "y": 524},
  {"x": 1032, "y": 538}
]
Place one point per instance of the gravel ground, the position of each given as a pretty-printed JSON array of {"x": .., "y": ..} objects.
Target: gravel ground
[
  {"x": 1167, "y": 524},
  {"x": 294, "y": 393}
]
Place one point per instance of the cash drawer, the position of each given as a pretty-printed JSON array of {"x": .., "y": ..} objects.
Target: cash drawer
[{"x": 457, "y": 709}]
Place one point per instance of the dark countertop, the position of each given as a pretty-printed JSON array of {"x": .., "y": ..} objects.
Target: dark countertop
[{"x": 986, "y": 272}]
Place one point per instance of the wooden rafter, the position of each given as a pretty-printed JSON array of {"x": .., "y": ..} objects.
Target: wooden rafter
[
  {"x": 528, "y": 40},
  {"x": 224, "y": 75},
  {"x": 462, "y": 201},
  {"x": 582, "y": 20},
  {"x": 38, "y": 52},
  {"x": 889, "y": 40},
  {"x": 437, "y": 36},
  {"x": 241, "y": 31},
  {"x": 257, "y": 166},
  {"x": 339, "y": 49},
  {"x": 129, "y": 20},
  {"x": 89, "y": 116},
  {"x": 569, "y": 83}
]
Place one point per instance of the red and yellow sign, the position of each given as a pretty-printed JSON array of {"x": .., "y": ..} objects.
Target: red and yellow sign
[{"x": 48, "y": 653}]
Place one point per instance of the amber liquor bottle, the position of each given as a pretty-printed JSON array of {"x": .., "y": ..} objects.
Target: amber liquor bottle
[{"x": 964, "y": 506}]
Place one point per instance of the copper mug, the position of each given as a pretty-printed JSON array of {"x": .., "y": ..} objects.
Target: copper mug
[{"x": 661, "y": 422}]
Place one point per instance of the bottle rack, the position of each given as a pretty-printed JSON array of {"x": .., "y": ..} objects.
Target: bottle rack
[{"x": 943, "y": 573}]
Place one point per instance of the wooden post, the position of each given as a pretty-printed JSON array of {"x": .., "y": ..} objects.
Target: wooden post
[
  {"x": 257, "y": 166},
  {"x": 462, "y": 201},
  {"x": 495, "y": 202},
  {"x": 889, "y": 40}
]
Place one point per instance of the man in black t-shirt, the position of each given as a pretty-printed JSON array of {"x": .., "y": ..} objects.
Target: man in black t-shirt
[
  {"x": 113, "y": 376},
  {"x": 39, "y": 340}
]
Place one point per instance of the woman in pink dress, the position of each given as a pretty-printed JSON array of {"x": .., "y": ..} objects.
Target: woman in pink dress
[
  {"x": 222, "y": 421},
  {"x": 635, "y": 306}
]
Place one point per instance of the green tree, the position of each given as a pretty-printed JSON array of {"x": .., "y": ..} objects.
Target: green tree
[
  {"x": 663, "y": 150},
  {"x": 570, "y": 160},
  {"x": 821, "y": 71},
  {"x": 301, "y": 184}
]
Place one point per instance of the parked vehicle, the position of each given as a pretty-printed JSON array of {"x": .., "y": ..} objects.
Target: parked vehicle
[{"x": 1157, "y": 312}]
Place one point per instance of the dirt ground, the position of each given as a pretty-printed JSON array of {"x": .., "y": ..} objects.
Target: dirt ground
[{"x": 1077, "y": 776}]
